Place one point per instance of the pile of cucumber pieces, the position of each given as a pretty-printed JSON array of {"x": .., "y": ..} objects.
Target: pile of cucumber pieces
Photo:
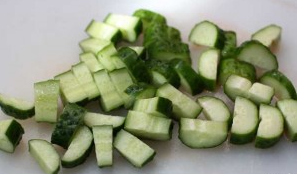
[{"x": 145, "y": 80}]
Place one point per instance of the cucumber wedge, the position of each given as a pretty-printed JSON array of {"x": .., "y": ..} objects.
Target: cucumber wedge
[
  {"x": 237, "y": 86},
  {"x": 96, "y": 119},
  {"x": 268, "y": 35},
  {"x": 260, "y": 93},
  {"x": 93, "y": 45},
  {"x": 91, "y": 61}
]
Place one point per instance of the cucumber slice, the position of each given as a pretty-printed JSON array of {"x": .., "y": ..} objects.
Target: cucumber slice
[
  {"x": 237, "y": 86},
  {"x": 157, "y": 106},
  {"x": 270, "y": 128},
  {"x": 103, "y": 145},
  {"x": 215, "y": 109},
  {"x": 147, "y": 17},
  {"x": 183, "y": 106},
  {"x": 86, "y": 81},
  {"x": 93, "y": 45},
  {"x": 71, "y": 90},
  {"x": 104, "y": 57},
  {"x": 141, "y": 51},
  {"x": 268, "y": 35},
  {"x": 133, "y": 149},
  {"x": 11, "y": 133},
  {"x": 196, "y": 133},
  {"x": 288, "y": 107},
  {"x": 69, "y": 121},
  {"x": 258, "y": 55},
  {"x": 79, "y": 148},
  {"x": 139, "y": 91},
  {"x": 283, "y": 87},
  {"x": 189, "y": 79},
  {"x": 91, "y": 61},
  {"x": 230, "y": 45},
  {"x": 46, "y": 101},
  {"x": 260, "y": 93},
  {"x": 110, "y": 98},
  {"x": 245, "y": 121},
  {"x": 207, "y": 34},
  {"x": 46, "y": 155},
  {"x": 16, "y": 107},
  {"x": 147, "y": 126},
  {"x": 96, "y": 119},
  {"x": 100, "y": 30},
  {"x": 130, "y": 26},
  {"x": 207, "y": 67}
]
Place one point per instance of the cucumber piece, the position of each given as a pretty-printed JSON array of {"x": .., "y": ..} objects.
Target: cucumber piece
[
  {"x": 207, "y": 34},
  {"x": 133, "y": 149},
  {"x": 288, "y": 107},
  {"x": 228, "y": 67},
  {"x": 207, "y": 67},
  {"x": 93, "y": 45},
  {"x": 104, "y": 57},
  {"x": 189, "y": 79},
  {"x": 91, "y": 61},
  {"x": 258, "y": 55},
  {"x": 79, "y": 148},
  {"x": 110, "y": 98},
  {"x": 158, "y": 79},
  {"x": 15, "y": 107},
  {"x": 140, "y": 51},
  {"x": 103, "y": 145},
  {"x": 11, "y": 133},
  {"x": 157, "y": 106},
  {"x": 122, "y": 80},
  {"x": 130, "y": 26},
  {"x": 147, "y": 17},
  {"x": 215, "y": 109},
  {"x": 245, "y": 121},
  {"x": 46, "y": 101},
  {"x": 85, "y": 79},
  {"x": 71, "y": 90},
  {"x": 283, "y": 87},
  {"x": 96, "y": 119},
  {"x": 183, "y": 106},
  {"x": 237, "y": 86},
  {"x": 46, "y": 155},
  {"x": 100, "y": 30},
  {"x": 117, "y": 62},
  {"x": 270, "y": 128},
  {"x": 69, "y": 121},
  {"x": 139, "y": 91},
  {"x": 260, "y": 93},
  {"x": 230, "y": 45},
  {"x": 148, "y": 126},
  {"x": 268, "y": 35},
  {"x": 196, "y": 133}
]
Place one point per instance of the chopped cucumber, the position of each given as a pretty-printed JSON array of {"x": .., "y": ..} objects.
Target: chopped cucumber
[
  {"x": 46, "y": 155},
  {"x": 245, "y": 121},
  {"x": 16, "y": 107},
  {"x": 104, "y": 57},
  {"x": 141, "y": 51},
  {"x": 93, "y": 45},
  {"x": 96, "y": 119},
  {"x": 196, "y": 133},
  {"x": 260, "y": 93},
  {"x": 237, "y": 86},
  {"x": 147, "y": 17},
  {"x": 183, "y": 106},
  {"x": 11, "y": 133},
  {"x": 139, "y": 91},
  {"x": 133, "y": 149},
  {"x": 270, "y": 128},
  {"x": 46, "y": 101},
  {"x": 91, "y": 61},
  {"x": 79, "y": 148},
  {"x": 230, "y": 45},
  {"x": 268, "y": 35},
  {"x": 103, "y": 145}
]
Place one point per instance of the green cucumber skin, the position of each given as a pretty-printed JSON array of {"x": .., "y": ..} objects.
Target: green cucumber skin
[
  {"x": 264, "y": 143},
  {"x": 147, "y": 17},
  {"x": 116, "y": 38},
  {"x": 15, "y": 112},
  {"x": 230, "y": 45},
  {"x": 79, "y": 161},
  {"x": 15, "y": 133},
  {"x": 208, "y": 84},
  {"x": 165, "y": 106},
  {"x": 240, "y": 139}
]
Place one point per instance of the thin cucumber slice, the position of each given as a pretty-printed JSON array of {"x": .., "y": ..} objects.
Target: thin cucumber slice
[
  {"x": 283, "y": 87},
  {"x": 207, "y": 34},
  {"x": 196, "y": 133},
  {"x": 288, "y": 107},
  {"x": 258, "y": 55},
  {"x": 237, "y": 86},
  {"x": 230, "y": 45},
  {"x": 11, "y": 133},
  {"x": 133, "y": 149},
  {"x": 46, "y": 155},
  {"x": 96, "y": 119},
  {"x": 147, "y": 17},
  {"x": 79, "y": 148},
  {"x": 91, "y": 61},
  {"x": 15, "y": 107},
  {"x": 268, "y": 35},
  {"x": 46, "y": 101},
  {"x": 245, "y": 121},
  {"x": 93, "y": 45},
  {"x": 260, "y": 93},
  {"x": 183, "y": 106},
  {"x": 103, "y": 31},
  {"x": 207, "y": 67},
  {"x": 130, "y": 26},
  {"x": 148, "y": 126},
  {"x": 103, "y": 140},
  {"x": 104, "y": 57},
  {"x": 270, "y": 128}
]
